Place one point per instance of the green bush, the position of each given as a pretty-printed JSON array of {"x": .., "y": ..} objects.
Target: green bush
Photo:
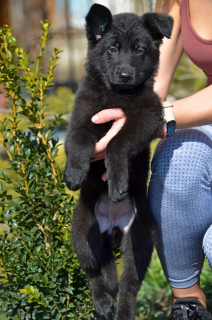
[
  {"x": 155, "y": 293},
  {"x": 62, "y": 100},
  {"x": 40, "y": 275}
]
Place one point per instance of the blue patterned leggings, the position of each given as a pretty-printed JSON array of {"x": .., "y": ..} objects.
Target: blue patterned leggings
[{"x": 180, "y": 196}]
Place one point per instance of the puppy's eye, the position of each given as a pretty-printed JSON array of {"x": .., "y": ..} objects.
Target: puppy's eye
[
  {"x": 113, "y": 50},
  {"x": 139, "y": 51}
]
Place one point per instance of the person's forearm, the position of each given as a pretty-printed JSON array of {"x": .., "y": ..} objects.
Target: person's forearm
[
  {"x": 170, "y": 50},
  {"x": 195, "y": 110}
]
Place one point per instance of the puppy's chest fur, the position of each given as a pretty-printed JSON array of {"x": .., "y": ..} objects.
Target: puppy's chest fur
[{"x": 132, "y": 103}]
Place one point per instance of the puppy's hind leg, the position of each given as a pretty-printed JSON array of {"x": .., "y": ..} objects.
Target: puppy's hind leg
[
  {"x": 94, "y": 252},
  {"x": 104, "y": 286},
  {"x": 137, "y": 250}
]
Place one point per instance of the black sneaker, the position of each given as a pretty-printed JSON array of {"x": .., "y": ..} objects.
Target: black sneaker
[{"x": 189, "y": 309}]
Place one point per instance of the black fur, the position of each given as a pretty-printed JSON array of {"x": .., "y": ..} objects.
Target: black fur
[{"x": 123, "y": 54}]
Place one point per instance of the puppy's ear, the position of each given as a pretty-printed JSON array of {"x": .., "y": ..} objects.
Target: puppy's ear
[
  {"x": 98, "y": 21},
  {"x": 160, "y": 25}
]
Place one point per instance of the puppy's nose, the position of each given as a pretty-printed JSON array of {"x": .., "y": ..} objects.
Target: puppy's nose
[{"x": 124, "y": 75}]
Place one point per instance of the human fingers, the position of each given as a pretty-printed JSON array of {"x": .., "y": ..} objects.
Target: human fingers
[
  {"x": 116, "y": 127},
  {"x": 119, "y": 118},
  {"x": 98, "y": 156},
  {"x": 100, "y": 146},
  {"x": 107, "y": 115}
]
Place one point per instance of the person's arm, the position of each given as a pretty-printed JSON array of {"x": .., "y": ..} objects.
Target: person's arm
[
  {"x": 170, "y": 50},
  {"x": 195, "y": 110}
]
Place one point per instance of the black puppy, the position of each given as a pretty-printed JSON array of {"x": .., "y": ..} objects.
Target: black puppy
[{"x": 123, "y": 54}]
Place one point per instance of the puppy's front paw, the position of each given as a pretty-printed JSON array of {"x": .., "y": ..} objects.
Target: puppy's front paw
[
  {"x": 74, "y": 178},
  {"x": 117, "y": 191}
]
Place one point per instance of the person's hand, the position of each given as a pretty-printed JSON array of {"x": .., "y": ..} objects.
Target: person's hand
[{"x": 118, "y": 117}]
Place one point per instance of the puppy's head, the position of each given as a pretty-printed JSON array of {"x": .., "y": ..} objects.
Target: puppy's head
[{"x": 123, "y": 50}]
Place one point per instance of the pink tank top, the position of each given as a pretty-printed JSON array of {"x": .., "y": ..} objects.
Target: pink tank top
[{"x": 198, "y": 49}]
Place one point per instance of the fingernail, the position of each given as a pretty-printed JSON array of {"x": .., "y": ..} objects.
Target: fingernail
[{"x": 95, "y": 118}]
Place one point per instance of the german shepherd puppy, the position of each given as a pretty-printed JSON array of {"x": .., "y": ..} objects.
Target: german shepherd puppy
[{"x": 122, "y": 60}]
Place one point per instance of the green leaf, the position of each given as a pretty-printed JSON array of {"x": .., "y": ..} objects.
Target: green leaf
[
  {"x": 45, "y": 280},
  {"x": 71, "y": 315},
  {"x": 11, "y": 66},
  {"x": 54, "y": 153},
  {"x": 14, "y": 226},
  {"x": 8, "y": 55},
  {"x": 7, "y": 216},
  {"x": 4, "y": 174},
  {"x": 39, "y": 105},
  {"x": 38, "y": 248},
  {"x": 24, "y": 291},
  {"x": 24, "y": 258},
  {"x": 12, "y": 151},
  {"x": 58, "y": 317},
  {"x": 69, "y": 290},
  {"x": 37, "y": 277},
  {"x": 6, "y": 134},
  {"x": 27, "y": 153},
  {"x": 12, "y": 40},
  {"x": 150, "y": 314},
  {"x": 48, "y": 134},
  {"x": 36, "y": 294}
]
